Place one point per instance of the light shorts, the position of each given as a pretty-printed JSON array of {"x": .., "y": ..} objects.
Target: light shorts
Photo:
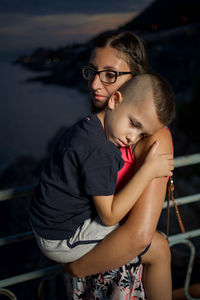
[{"x": 88, "y": 235}]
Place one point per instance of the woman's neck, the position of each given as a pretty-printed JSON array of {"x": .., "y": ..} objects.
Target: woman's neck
[{"x": 101, "y": 116}]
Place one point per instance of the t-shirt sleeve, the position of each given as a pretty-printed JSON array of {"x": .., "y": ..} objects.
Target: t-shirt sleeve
[{"x": 100, "y": 173}]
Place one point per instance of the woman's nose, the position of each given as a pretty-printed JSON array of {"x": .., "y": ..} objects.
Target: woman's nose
[{"x": 96, "y": 82}]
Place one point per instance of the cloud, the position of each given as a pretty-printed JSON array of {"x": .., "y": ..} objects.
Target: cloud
[
  {"x": 49, "y": 7},
  {"x": 19, "y": 31},
  {"x": 50, "y": 23}
]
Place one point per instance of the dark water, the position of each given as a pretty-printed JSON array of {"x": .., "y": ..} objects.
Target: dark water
[
  {"x": 31, "y": 113},
  {"x": 30, "y": 116}
]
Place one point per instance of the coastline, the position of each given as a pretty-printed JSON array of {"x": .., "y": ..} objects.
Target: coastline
[{"x": 31, "y": 112}]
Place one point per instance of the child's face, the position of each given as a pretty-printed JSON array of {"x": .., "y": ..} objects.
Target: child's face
[
  {"x": 126, "y": 123},
  {"x": 106, "y": 58}
]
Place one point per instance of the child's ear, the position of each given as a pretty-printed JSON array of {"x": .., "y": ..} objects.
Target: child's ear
[{"x": 115, "y": 99}]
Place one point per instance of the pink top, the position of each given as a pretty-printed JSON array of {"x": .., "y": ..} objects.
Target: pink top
[{"x": 127, "y": 171}]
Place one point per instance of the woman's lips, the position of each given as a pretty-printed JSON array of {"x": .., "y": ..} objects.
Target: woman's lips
[{"x": 99, "y": 97}]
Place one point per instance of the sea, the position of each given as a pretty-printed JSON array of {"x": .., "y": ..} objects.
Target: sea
[{"x": 31, "y": 113}]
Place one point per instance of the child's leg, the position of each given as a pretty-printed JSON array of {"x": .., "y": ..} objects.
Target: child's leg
[{"x": 157, "y": 269}]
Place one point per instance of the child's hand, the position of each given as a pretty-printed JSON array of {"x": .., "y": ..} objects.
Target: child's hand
[{"x": 159, "y": 165}]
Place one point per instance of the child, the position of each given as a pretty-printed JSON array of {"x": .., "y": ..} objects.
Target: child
[{"x": 78, "y": 181}]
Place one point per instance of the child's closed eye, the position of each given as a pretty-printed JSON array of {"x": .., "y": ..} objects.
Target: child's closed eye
[{"x": 132, "y": 123}]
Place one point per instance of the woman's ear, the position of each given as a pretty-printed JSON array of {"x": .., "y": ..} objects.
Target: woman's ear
[{"x": 115, "y": 99}]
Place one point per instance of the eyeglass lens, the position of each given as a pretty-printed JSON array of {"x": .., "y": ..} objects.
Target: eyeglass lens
[{"x": 105, "y": 76}]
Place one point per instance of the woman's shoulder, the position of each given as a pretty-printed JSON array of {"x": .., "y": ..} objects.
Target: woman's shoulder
[{"x": 163, "y": 136}]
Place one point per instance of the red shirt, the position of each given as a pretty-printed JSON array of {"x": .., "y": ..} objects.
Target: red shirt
[
  {"x": 125, "y": 174},
  {"x": 127, "y": 171}
]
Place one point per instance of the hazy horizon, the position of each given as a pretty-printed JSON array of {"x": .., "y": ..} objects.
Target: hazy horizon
[{"x": 50, "y": 24}]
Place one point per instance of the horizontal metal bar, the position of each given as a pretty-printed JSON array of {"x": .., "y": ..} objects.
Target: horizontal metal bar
[
  {"x": 28, "y": 190},
  {"x": 183, "y": 236},
  {"x": 183, "y": 200},
  {"x": 29, "y": 276},
  {"x": 17, "y": 192},
  {"x": 187, "y": 160},
  {"x": 16, "y": 238},
  {"x": 29, "y": 235}
]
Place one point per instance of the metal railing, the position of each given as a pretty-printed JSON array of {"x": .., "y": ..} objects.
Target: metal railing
[{"x": 182, "y": 238}]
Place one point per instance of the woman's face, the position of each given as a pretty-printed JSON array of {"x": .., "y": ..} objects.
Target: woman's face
[{"x": 106, "y": 58}]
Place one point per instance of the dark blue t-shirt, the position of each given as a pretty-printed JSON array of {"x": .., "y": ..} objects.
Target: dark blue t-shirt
[{"x": 84, "y": 163}]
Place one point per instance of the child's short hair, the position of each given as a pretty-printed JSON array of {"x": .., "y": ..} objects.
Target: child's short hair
[
  {"x": 164, "y": 98},
  {"x": 163, "y": 95}
]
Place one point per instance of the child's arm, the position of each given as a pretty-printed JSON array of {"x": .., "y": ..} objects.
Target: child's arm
[
  {"x": 137, "y": 231},
  {"x": 113, "y": 208}
]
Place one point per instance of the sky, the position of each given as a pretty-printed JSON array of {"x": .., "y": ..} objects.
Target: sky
[{"x": 28, "y": 24}]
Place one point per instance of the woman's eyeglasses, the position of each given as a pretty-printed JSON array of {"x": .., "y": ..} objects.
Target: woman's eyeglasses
[{"x": 106, "y": 76}]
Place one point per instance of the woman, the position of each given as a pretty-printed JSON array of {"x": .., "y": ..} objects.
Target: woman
[{"x": 115, "y": 58}]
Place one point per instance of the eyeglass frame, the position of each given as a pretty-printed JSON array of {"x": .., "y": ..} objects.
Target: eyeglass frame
[{"x": 107, "y": 70}]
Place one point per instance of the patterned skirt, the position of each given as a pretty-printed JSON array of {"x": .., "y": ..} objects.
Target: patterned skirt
[{"x": 124, "y": 283}]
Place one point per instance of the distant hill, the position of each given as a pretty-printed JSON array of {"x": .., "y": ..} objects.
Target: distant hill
[{"x": 165, "y": 14}]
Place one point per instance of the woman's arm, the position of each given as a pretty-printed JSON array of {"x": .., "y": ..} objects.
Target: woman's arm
[
  {"x": 150, "y": 205},
  {"x": 130, "y": 239}
]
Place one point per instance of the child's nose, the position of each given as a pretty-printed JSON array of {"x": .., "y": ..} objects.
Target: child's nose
[{"x": 132, "y": 138}]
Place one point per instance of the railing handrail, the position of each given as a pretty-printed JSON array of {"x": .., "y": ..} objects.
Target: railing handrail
[
  {"x": 26, "y": 191},
  {"x": 17, "y": 192}
]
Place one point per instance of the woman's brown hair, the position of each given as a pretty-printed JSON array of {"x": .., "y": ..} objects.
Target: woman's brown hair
[{"x": 127, "y": 43}]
